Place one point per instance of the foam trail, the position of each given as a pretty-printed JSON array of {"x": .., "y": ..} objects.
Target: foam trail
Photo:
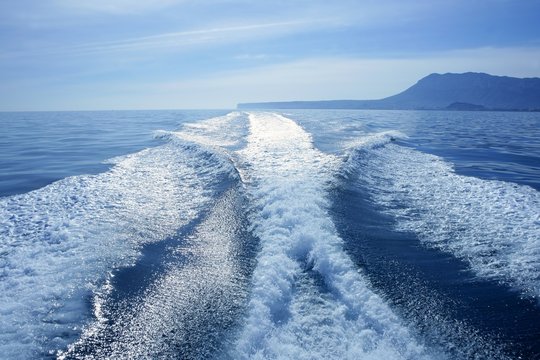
[
  {"x": 493, "y": 225},
  {"x": 373, "y": 141},
  {"x": 58, "y": 244},
  {"x": 187, "y": 311},
  {"x": 226, "y": 131},
  {"x": 355, "y": 149},
  {"x": 291, "y": 313}
]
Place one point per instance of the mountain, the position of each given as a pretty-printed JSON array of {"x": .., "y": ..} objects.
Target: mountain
[{"x": 467, "y": 91}]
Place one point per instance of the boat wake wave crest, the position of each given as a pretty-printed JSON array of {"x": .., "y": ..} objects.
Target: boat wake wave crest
[
  {"x": 492, "y": 225},
  {"x": 308, "y": 299}
]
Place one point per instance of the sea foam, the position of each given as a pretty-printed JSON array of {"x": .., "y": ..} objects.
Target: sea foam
[
  {"x": 492, "y": 225},
  {"x": 228, "y": 131},
  {"x": 60, "y": 243},
  {"x": 308, "y": 299}
]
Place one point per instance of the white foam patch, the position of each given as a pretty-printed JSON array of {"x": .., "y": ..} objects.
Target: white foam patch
[
  {"x": 58, "y": 243},
  {"x": 223, "y": 131},
  {"x": 492, "y": 225},
  {"x": 354, "y": 149},
  {"x": 375, "y": 140},
  {"x": 287, "y": 179}
]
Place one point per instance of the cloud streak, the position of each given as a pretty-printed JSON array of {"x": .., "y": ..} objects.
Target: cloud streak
[{"x": 175, "y": 41}]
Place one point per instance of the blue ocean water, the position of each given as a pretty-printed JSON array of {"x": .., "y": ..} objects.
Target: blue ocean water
[
  {"x": 37, "y": 148},
  {"x": 297, "y": 234}
]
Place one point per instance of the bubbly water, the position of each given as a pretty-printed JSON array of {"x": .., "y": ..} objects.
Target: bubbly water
[{"x": 304, "y": 234}]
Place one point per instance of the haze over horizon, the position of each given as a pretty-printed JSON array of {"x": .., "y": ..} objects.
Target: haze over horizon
[{"x": 127, "y": 54}]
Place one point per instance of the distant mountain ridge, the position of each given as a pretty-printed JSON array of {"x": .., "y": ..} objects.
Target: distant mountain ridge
[{"x": 467, "y": 91}]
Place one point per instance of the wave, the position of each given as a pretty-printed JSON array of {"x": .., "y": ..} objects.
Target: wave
[
  {"x": 354, "y": 150},
  {"x": 492, "y": 225},
  {"x": 228, "y": 131},
  {"x": 376, "y": 140},
  {"x": 60, "y": 243},
  {"x": 308, "y": 299}
]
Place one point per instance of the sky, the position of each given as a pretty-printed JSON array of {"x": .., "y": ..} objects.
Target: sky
[{"x": 213, "y": 54}]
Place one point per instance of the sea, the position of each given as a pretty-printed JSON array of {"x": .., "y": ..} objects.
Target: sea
[{"x": 295, "y": 234}]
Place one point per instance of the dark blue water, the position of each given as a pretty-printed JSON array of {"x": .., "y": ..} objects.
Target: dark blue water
[{"x": 320, "y": 234}]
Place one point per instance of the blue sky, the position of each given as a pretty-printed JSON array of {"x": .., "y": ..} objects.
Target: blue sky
[{"x": 153, "y": 54}]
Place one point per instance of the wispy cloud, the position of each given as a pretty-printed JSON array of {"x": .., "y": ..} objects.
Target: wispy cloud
[{"x": 175, "y": 41}]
